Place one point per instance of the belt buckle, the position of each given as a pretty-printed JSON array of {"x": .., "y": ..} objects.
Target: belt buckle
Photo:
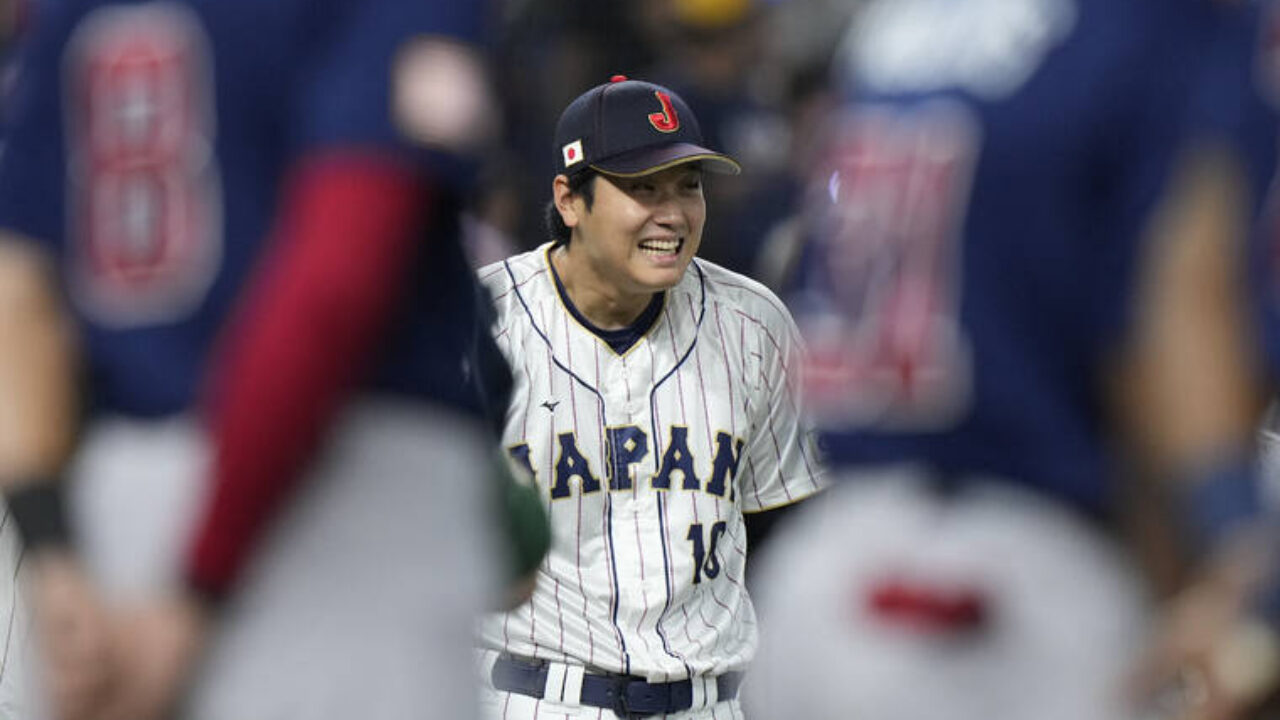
[
  {"x": 620, "y": 705},
  {"x": 654, "y": 698}
]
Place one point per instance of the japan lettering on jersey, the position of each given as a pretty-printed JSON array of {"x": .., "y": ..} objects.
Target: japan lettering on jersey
[{"x": 647, "y": 461}]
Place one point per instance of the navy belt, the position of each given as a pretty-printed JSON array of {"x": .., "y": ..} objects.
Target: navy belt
[{"x": 626, "y": 695}]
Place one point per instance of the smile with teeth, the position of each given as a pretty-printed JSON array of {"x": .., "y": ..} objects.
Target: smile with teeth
[{"x": 661, "y": 247}]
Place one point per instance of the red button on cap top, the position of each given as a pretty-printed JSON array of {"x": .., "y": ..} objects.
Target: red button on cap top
[{"x": 618, "y": 78}]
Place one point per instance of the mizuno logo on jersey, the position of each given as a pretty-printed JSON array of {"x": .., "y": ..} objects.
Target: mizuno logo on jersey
[{"x": 628, "y": 446}]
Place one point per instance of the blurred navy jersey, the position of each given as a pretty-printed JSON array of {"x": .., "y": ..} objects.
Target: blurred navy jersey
[
  {"x": 977, "y": 228},
  {"x": 1239, "y": 102},
  {"x": 148, "y": 144}
]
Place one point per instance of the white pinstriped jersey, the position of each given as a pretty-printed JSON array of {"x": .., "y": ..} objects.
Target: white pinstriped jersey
[{"x": 646, "y": 461}]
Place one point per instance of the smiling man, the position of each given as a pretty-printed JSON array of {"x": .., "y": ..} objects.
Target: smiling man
[{"x": 653, "y": 408}]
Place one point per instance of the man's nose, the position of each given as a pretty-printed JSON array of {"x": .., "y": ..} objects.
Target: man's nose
[{"x": 667, "y": 209}]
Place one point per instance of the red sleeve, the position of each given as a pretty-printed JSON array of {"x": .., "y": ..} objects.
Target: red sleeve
[{"x": 301, "y": 338}]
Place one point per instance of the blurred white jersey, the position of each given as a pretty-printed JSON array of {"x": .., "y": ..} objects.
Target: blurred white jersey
[
  {"x": 647, "y": 461},
  {"x": 889, "y": 599}
]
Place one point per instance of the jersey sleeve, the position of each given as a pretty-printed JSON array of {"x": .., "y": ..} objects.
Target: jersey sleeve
[
  {"x": 31, "y": 162},
  {"x": 780, "y": 457}
]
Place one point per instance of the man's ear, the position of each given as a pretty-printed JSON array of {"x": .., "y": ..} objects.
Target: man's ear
[{"x": 564, "y": 200}]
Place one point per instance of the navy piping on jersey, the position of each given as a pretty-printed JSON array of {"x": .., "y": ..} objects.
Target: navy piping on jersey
[
  {"x": 613, "y": 568},
  {"x": 653, "y": 426},
  {"x": 666, "y": 569},
  {"x": 622, "y": 339}
]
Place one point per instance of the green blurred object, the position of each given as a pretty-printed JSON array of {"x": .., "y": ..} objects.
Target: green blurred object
[{"x": 528, "y": 530}]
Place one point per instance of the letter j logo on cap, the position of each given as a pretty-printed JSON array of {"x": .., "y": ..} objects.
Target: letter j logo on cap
[
  {"x": 665, "y": 121},
  {"x": 572, "y": 153}
]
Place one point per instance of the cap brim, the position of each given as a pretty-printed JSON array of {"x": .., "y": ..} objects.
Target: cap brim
[{"x": 652, "y": 160}]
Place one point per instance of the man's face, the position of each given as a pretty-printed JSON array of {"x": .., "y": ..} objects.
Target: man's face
[{"x": 641, "y": 232}]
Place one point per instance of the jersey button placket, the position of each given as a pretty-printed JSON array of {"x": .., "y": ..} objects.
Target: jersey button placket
[
  {"x": 635, "y": 404},
  {"x": 621, "y": 392}
]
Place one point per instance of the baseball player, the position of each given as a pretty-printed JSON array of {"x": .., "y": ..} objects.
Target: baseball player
[
  {"x": 653, "y": 410},
  {"x": 156, "y": 151},
  {"x": 1017, "y": 296}
]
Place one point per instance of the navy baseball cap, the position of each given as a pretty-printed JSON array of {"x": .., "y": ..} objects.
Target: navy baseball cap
[{"x": 631, "y": 127}]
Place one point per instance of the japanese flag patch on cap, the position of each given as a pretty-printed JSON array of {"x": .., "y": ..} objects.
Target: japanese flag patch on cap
[{"x": 572, "y": 153}]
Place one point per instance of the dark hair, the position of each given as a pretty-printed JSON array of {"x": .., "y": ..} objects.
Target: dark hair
[{"x": 580, "y": 183}]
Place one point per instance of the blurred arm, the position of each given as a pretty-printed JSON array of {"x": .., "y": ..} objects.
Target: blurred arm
[
  {"x": 1189, "y": 399},
  {"x": 38, "y": 424},
  {"x": 309, "y": 323},
  {"x": 37, "y": 369},
  {"x": 1188, "y": 389},
  {"x": 305, "y": 330}
]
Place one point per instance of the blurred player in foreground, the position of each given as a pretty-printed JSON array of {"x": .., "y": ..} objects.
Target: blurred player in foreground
[
  {"x": 1021, "y": 296},
  {"x": 158, "y": 152},
  {"x": 653, "y": 409}
]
